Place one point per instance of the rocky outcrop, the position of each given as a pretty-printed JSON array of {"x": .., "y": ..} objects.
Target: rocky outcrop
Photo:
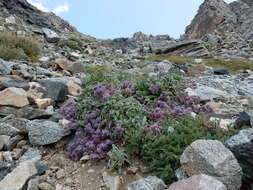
[
  {"x": 218, "y": 17},
  {"x": 212, "y": 15},
  {"x": 31, "y": 15}
]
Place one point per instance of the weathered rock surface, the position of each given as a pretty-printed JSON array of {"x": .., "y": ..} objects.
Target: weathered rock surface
[
  {"x": 212, "y": 158},
  {"x": 17, "y": 179},
  {"x": 44, "y": 132},
  {"x": 149, "y": 183},
  {"x": 198, "y": 182},
  {"x": 13, "y": 97}
]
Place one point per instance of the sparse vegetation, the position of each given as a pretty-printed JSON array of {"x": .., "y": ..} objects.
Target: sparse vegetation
[
  {"x": 232, "y": 64},
  {"x": 72, "y": 43},
  {"x": 14, "y": 47}
]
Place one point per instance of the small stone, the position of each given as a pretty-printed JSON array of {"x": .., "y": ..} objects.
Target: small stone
[
  {"x": 12, "y": 96},
  {"x": 133, "y": 169},
  {"x": 3, "y": 141},
  {"x": 91, "y": 171},
  {"x": 12, "y": 143},
  {"x": 112, "y": 182},
  {"x": 44, "y": 103},
  {"x": 4, "y": 67},
  {"x": 73, "y": 88},
  {"x": 45, "y": 186},
  {"x": 7, "y": 156},
  {"x": 60, "y": 174},
  {"x": 63, "y": 64},
  {"x": 9, "y": 130},
  {"x": 17, "y": 153}
]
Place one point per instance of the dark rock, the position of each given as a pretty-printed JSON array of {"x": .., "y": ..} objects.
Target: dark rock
[
  {"x": 220, "y": 71},
  {"x": 32, "y": 113},
  {"x": 45, "y": 132},
  {"x": 243, "y": 120},
  {"x": 242, "y": 147},
  {"x": 9, "y": 130},
  {"x": 56, "y": 89},
  {"x": 5, "y": 168},
  {"x": 51, "y": 36}
]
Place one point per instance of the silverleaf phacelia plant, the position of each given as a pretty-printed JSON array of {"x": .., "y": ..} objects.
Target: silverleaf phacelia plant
[{"x": 111, "y": 106}]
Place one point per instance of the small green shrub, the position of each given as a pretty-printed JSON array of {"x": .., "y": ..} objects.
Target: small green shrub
[
  {"x": 163, "y": 151},
  {"x": 15, "y": 47},
  {"x": 117, "y": 158},
  {"x": 72, "y": 43}
]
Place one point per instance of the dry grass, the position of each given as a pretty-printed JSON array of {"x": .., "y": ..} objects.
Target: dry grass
[{"x": 232, "y": 64}]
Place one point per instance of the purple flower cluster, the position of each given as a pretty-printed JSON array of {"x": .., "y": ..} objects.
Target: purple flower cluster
[
  {"x": 93, "y": 139},
  {"x": 68, "y": 111},
  {"x": 153, "y": 129},
  {"x": 190, "y": 84},
  {"x": 103, "y": 91},
  {"x": 157, "y": 114},
  {"x": 154, "y": 88},
  {"x": 126, "y": 87},
  {"x": 180, "y": 111}
]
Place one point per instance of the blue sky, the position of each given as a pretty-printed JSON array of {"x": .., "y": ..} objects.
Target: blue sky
[{"x": 122, "y": 18}]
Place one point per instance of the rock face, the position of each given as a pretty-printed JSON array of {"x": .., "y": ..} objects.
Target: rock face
[
  {"x": 14, "y": 97},
  {"x": 149, "y": 183},
  {"x": 212, "y": 158},
  {"x": 198, "y": 182},
  {"x": 216, "y": 16}
]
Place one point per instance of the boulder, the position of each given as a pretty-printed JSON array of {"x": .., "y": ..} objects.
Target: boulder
[
  {"x": 56, "y": 89},
  {"x": 4, "y": 67},
  {"x": 44, "y": 132},
  {"x": 7, "y": 129},
  {"x": 149, "y": 183},
  {"x": 198, "y": 182},
  {"x": 12, "y": 96},
  {"x": 212, "y": 158}
]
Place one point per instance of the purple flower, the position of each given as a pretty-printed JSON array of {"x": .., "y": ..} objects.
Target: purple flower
[
  {"x": 154, "y": 88},
  {"x": 157, "y": 114}
]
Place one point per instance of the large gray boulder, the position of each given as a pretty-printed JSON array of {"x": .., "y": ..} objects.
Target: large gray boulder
[
  {"x": 149, "y": 183},
  {"x": 44, "y": 132},
  {"x": 56, "y": 89},
  {"x": 212, "y": 158},
  {"x": 198, "y": 182}
]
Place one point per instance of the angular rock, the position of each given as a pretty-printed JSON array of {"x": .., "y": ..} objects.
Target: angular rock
[
  {"x": 198, "y": 182},
  {"x": 149, "y": 183},
  {"x": 73, "y": 88},
  {"x": 45, "y": 132},
  {"x": 17, "y": 179},
  {"x": 9, "y": 130},
  {"x": 212, "y": 158},
  {"x": 208, "y": 93},
  {"x": 12, "y": 143},
  {"x": 51, "y": 36},
  {"x": 32, "y": 113},
  {"x": 16, "y": 97},
  {"x": 3, "y": 141},
  {"x": 112, "y": 182},
  {"x": 63, "y": 64},
  {"x": 44, "y": 103},
  {"x": 33, "y": 184},
  {"x": 4, "y": 67},
  {"x": 56, "y": 89}
]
